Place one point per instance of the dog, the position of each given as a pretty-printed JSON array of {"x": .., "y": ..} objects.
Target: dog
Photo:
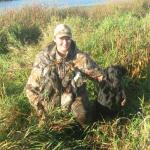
[{"x": 111, "y": 94}]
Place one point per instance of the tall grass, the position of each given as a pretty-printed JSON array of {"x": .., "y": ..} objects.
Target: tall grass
[{"x": 112, "y": 34}]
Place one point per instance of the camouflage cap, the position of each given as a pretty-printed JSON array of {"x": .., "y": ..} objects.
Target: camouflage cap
[{"x": 62, "y": 30}]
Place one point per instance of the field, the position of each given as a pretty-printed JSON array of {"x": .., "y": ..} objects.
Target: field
[{"x": 115, "y": 33}]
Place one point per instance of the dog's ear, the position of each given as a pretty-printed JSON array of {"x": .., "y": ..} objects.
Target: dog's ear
[{"x": 111, "y": 72}]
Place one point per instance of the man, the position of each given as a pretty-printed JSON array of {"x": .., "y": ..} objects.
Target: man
[{"x": 54, "y": 79}]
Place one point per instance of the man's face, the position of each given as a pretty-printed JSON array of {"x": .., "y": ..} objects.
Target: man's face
[{"x": 63, "y": 44}]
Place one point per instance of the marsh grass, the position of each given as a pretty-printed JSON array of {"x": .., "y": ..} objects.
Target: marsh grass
[{"x": 111, "y": 34}]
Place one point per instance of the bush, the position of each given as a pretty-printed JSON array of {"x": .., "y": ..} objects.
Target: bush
[
  {"x": 25, "y": 34},
  {"x": 3, "y": 41}
]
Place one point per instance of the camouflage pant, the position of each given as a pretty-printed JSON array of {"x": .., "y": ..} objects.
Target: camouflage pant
[{"x": 80, "y": 107}]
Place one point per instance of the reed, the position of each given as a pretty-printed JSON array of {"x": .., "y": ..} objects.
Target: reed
[{"x": 116, "y": 33}]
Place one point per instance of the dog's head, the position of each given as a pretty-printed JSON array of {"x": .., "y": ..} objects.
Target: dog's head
[{"x": 115, "y": 73}]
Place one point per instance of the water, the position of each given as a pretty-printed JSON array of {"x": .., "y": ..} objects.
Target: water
[{"x": 5, "y": 5}]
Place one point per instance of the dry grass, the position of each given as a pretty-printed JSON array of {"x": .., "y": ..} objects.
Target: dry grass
[{"x": 111, "y": 36}]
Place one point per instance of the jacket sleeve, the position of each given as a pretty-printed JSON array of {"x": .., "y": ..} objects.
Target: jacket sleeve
[
  {"x": 33, "y": 86},
  {"x": 88, "y": 66}
]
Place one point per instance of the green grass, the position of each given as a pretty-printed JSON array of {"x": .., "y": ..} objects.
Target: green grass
[{"x": 111, "y": 34}]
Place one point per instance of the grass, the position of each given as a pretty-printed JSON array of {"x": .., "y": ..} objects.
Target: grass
[{"x": 111, "y": 34}]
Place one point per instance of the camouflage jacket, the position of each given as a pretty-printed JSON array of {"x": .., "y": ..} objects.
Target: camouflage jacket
[{"x": 46, "y": 77}]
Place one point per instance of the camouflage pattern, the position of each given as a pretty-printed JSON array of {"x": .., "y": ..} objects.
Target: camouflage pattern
[{"x": 51, "y": 77}]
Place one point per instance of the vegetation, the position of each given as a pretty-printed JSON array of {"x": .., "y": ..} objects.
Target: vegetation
[{"x": 112, "y": 34}]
